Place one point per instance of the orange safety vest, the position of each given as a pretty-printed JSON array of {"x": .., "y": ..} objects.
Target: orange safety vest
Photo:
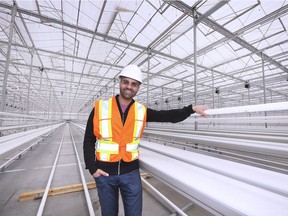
[{"x": 116, "y": 141}]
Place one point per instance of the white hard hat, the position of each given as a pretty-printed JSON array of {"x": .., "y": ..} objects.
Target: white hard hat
[{"x": 133, "y": 72}]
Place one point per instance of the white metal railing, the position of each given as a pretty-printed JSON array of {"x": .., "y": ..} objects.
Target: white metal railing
[
  {"x": 249, "y": 109},
  {"x": 165, "y": 199},
  {"x": 220, "y": 186},
  {"x": 266, "y": 179},
  {"x": 19, "y": 155},
  {"x": 265, "y": 117},
  {"x": 12, "y": 141},
  {"x": 255, "y": 146},
  {"x": 15, "y": 122}
]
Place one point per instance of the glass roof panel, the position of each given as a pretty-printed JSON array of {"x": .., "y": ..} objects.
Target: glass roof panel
[{"x": 79, "y": 48}]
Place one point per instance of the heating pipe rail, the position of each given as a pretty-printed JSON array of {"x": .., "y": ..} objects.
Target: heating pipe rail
[
  {"x": 84, "y": 183},
  {"x": 48, "y": 185},
  {"x": 261, "y": 147},
  {"x": 165, "y": 199},
  {"x": 217, "y": 185}
]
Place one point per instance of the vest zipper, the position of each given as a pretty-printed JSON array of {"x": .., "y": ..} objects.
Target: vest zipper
[{"x": 119, "y": 163}]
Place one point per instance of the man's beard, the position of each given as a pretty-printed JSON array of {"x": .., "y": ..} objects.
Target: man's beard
[{"x": 130, "y": 95}]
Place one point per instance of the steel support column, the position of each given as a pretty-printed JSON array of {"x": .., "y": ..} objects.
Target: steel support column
[
  {"x": 195, "y": 61},
  {"x": 162, "y": 94},
  {"x": 49, "y": 103},
  {"x": 264, "y": 85},
  {"x": 148, "y": 74},
  {"x": 29, "y": 84},
  {"x": 182, "y": 93},
  {"x": 213, "y": 90},
  {"x": 114, "y": 85},
  {"x": 7, "y": 63}
]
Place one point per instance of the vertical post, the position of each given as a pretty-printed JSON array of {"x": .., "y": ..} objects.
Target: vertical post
[
  {"x": 162, "y": 103},
  {"x": 182, "y": 93},
  {"x": 213, "y": 94},
  {"x": 39, "y": 91},
  {"x": 54, "y": 114},
  {"x": 213, "y": 90},
  {"x": 249, "y": 114},
  {"x": 49, "y": 105},
  {"x": 7, "y": 63},
  {"x": 13, "y": 103},
  {"x": 114, "y": 86},
  {"x": 195, "y": 61},
  {"x": 148, "y": 72},
  {"x": 29, "y": 85},
  {"x": 218, "y": 100},
  {"x": 264, "y": 85},
  {"x": 248, "y": 96}
]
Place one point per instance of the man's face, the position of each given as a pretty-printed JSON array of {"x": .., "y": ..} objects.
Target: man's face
[{"x": 128, "y": 87}]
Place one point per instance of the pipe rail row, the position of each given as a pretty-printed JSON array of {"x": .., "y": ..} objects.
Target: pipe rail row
[
  {"x": 12, "y": 141},
  {"x": 241, "y": 157},
  {"x": 267, "y": 148},
  {"x": 251, "y": 135},
  {"x": 47, "y": 188},
  {"x": 165, "y": 199},
  {"x": 208, "y": 181},
  {"x": 278, "y": 106},
  {"x": 19, "y": 155},
  {"x": 266, "y": 179},
  {"x": 221, "y": 187},
  {"x": 84, "y": 183},
  {"x": 17, "y": 127}
]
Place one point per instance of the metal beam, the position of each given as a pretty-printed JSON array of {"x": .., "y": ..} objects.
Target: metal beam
[
  {"x": 229, "y": 35},
  {"x": 7, "y": 62}
]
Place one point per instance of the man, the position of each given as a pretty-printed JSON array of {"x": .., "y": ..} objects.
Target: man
[{"x": 116, "y": 125}]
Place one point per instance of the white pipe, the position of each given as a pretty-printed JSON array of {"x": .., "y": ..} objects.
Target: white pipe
[
  {"x": 246, "y": 109},
  {"x": 22, "y": 115},
  {"x": 255, "y": 146},
  {"x": 44, "y": 198},
  {"x": 3, "y": 166},
  {"x": 23, "y": 126},
  {"x": 259, "y": 177},
  {"x": 84, "y": 183},
  {"x": 212, "y": 190},
  {"x": 176, "y": 208}
]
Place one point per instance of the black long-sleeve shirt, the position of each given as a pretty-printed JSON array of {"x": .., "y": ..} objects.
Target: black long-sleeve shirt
[{"x": 122, "y": 167}]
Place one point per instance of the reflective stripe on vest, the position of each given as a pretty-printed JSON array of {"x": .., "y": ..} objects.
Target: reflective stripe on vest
[
  {"x": 105, "y": 110},
  {"x": 139, "y": 118},
  {"x": 108, "y": 148}
]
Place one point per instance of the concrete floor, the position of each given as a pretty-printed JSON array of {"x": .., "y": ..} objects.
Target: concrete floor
[{"x": 31, "y": 173}]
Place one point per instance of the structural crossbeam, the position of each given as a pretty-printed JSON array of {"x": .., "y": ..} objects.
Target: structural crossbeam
[{"x": 229, "y": 35}]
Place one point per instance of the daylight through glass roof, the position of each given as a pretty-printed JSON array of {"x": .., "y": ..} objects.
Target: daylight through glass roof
[{"x": 60, "y": 55}]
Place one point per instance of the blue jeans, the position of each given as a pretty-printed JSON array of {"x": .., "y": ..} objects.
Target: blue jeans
[{"x": 131, "y": 191}]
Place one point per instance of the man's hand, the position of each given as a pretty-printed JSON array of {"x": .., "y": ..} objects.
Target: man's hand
[
  {"x": 99, "y": 172},
  {"x": 199, "y": 109}
]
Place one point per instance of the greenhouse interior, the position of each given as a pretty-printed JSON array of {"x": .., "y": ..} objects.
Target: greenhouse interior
[{"x": 59, "y": 58}]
